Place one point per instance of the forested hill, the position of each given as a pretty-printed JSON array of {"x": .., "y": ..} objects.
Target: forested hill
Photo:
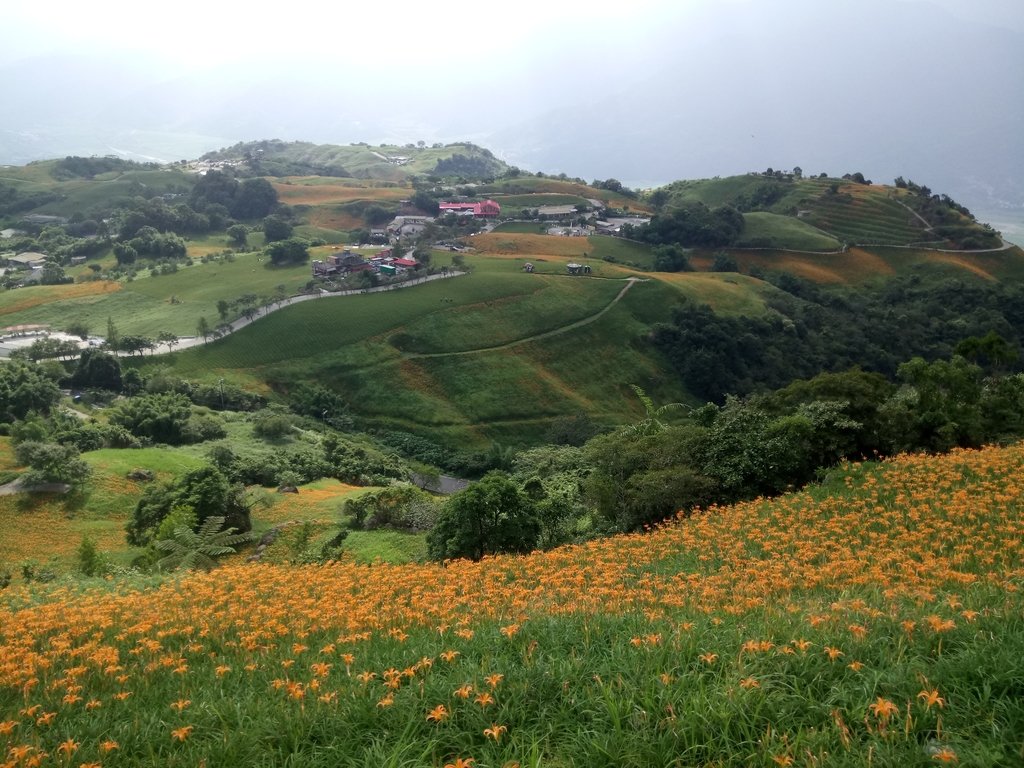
[
  {"x": 361, "y": 160},
  {"x": 788, "y": 210}
]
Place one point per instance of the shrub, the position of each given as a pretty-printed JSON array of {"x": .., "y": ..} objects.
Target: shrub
[
  {"x": 489, "y": 517},
  {"x": 90, "y": 561},
  {"x": 272, "y": 425},
  {"x": 51, "y": 463},
  {"x": 401, "y": 507}
]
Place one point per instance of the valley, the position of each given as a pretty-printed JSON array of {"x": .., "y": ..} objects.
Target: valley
[{"x": 731, "y": 466}]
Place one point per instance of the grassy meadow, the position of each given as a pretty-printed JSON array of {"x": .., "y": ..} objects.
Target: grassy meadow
[
  {"x": 430, "y": 358},
  {"x": 784, "y": 233},
  {"x": 874, "y": 620}
]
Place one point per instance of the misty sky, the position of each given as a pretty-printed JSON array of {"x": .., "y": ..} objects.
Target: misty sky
[
  {"x": 646, "y": 91},
  {"x": 198, "y": 34}
]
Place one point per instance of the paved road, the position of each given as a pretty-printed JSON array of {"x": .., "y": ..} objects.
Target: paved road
[{"x": 185, "y": 342}]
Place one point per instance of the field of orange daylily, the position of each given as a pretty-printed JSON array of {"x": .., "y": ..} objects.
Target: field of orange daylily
[{"x": 872, "y": 620}]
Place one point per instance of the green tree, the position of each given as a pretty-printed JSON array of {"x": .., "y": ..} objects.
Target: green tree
[
  {"x": 113, "y": 336},
  {"x": 125, "y": 254},
  {"x": 90, "y": 561},
  {"x": 206, "y": 492},
  {"x": 190, "y": 549},
  {"x": 948, "y": 393},
  {"x": 160, "y": 418},
  {"x": 168, "y": 338},
  {"x": 203, "y": 329},
  {"x": 97, "y": 369},
  {"x": 291, "y": 251},
  {"x": 276, "y": 228},
  {"x": 488, "y": 517},
  {"x": 254, "y": 199},
  {"x": 238, "y": 234},
  {"x": 53, "y": 274},
  {"x": 990, "y": 351},
  {"x": 136, "y": 344},
  {"x": 51, "y": 463},
  {"x": 78, "y": 328}
]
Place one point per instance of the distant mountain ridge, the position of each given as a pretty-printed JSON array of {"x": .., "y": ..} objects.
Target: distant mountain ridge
[{"x": 360, "y": 160}]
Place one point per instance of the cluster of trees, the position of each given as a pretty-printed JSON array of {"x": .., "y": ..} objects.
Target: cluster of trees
[
  {"x": 165, "y": 216},
  {"x": 765, "y": 444},
  {"x": 811, "y": 329},
  {"x": 690, "y": 225},
  {"x": 249, "y": 199},
  {"x": 948, "y": 218},
  {"x": 149, "y": 243},
  {"x": 291, "y": 251},
  {"x": 467, "y": 166},
  {"x": 189, "y": 500},
  {"x": 75, "y": 167},
  {"x": 613, "y": 185}
]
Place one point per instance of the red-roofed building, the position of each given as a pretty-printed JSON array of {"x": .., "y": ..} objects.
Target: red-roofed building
[
  {"x": 488, "y": 209},
  {"x": 406, "y": 263}
]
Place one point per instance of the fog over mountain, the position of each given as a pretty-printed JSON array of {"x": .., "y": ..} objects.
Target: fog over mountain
[{"x": 645, "y": 92}]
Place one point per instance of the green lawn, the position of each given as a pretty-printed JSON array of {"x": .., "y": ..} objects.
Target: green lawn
[
  {"x": 173, "y": 303},
  {"x": 770, "y": 230},
  {"x": 386, "y": 546},
  {"x": 351, "y": 346}
]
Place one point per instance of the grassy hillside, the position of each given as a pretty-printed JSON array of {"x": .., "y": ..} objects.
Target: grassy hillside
[
  {"x": 144, "y": 305},
  {"x": 850, "y": 213},
  {"x": 455, "y": 357},
  {"x": 770, "y": 230},
  {"x": 875, "y": 620},
  {"x": 386, "y": 161},
  {"x": 81, "y": 195},
  {"x": 543, "y": 185}
]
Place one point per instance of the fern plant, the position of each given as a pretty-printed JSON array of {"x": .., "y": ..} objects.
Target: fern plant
[{"x": 197, "y": 549}]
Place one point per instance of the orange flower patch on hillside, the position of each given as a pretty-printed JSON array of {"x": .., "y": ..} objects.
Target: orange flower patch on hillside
[
  {"x": 852, "y": 266},
  {"x": 308, "y": 504},
  {"x": 927, "y": 543},
  {"x": 198, "y": 251},
  {"x": 964, "y": 262},
  {"x": 330, "y": 218},
  {"x": 415, "y": 378},
  {"x": 26, "y": 298},
  {"x": 746, "y": 557},
  {"x": 7, "y": 460},
  {"x": 39, "y": 528},
  {"x": 323, "y": 194},
  {"x": 517, "y": 244}
]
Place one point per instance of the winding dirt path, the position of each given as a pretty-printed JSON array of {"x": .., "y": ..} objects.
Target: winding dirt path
[{"x": 630, "y": 282}]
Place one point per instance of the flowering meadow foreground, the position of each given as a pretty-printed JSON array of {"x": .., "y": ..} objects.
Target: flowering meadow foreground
[{"x": 875, "y": 620}]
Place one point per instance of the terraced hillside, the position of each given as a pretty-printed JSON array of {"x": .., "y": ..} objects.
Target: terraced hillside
[
  {"x": 849, "y": 213},
  {"x": 859, "y": 215}
]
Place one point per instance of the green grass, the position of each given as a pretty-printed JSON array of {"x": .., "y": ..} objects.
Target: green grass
[
  {"x": 785, "y": 233},
  {"x": 871, "y": 217},
  {"x": 386, "y": 546},
  {"x": 726, "y": 293},
  {"x": 554, "y": 302},
  {"x": 86, "y": 196},
  {"x": 355, "y": 346},
  {"x": 620, "y": 251},
  {"x": 144, "y": 305},
  {"x": 536, "y": 185}
]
